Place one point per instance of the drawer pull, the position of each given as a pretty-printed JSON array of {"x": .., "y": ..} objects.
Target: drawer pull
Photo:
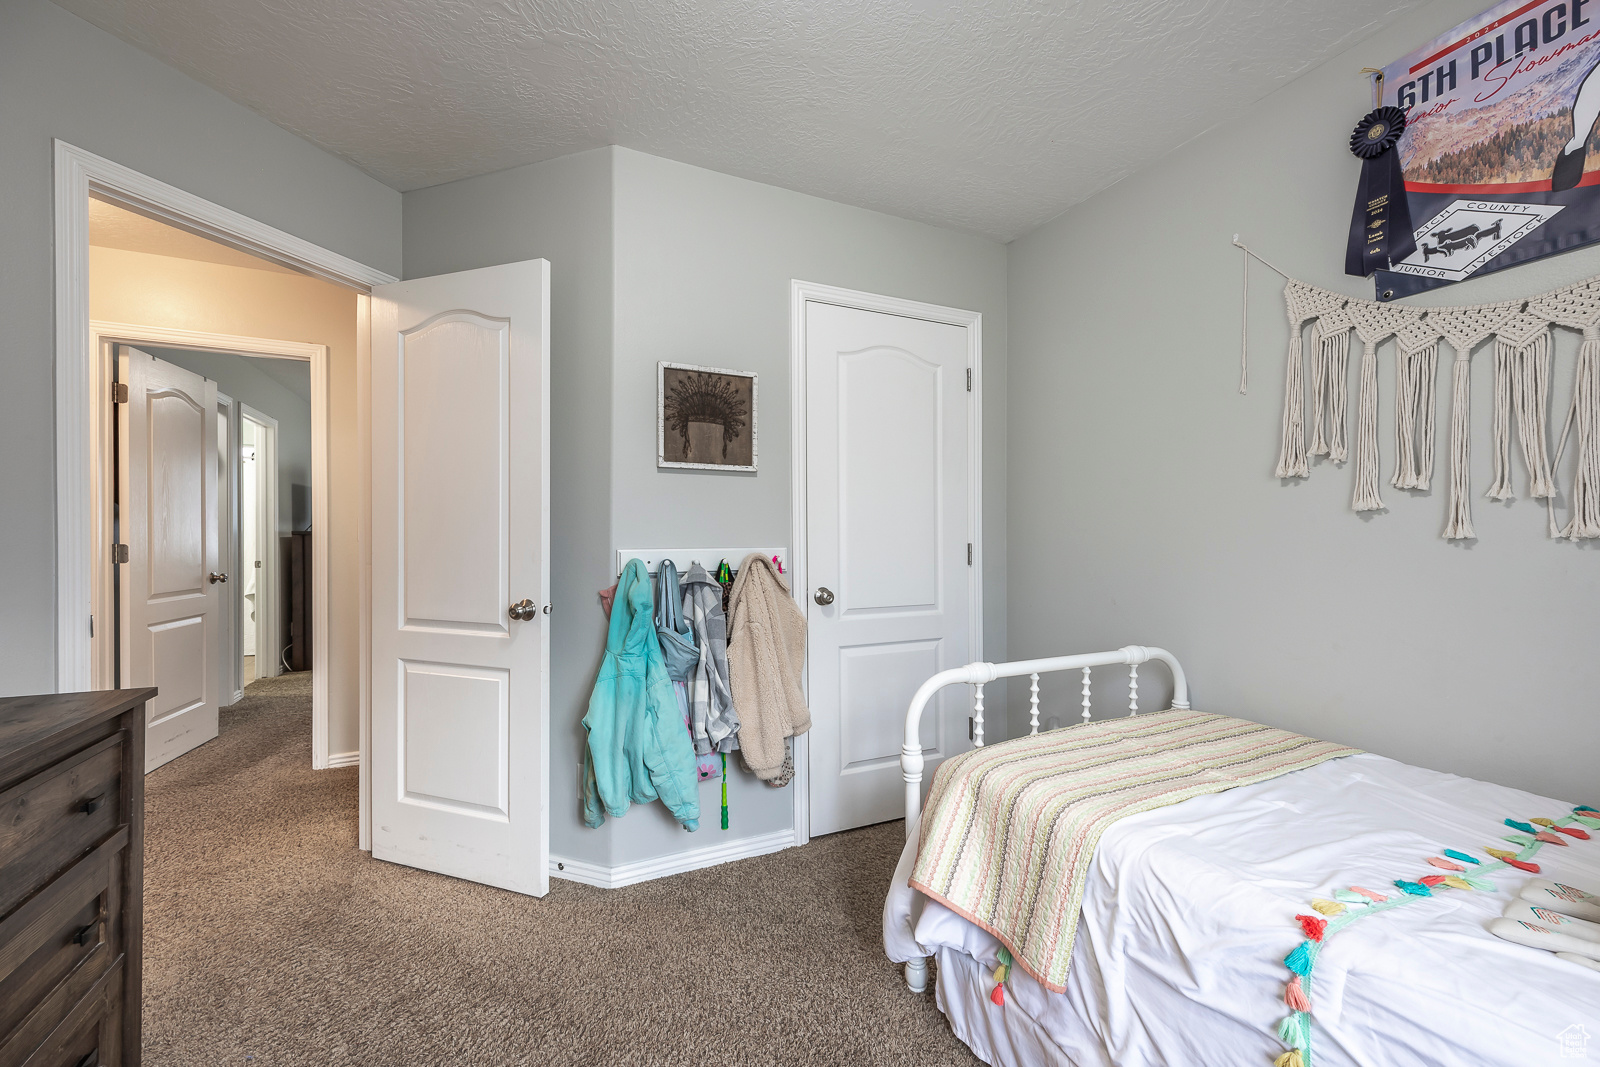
[
  {"x": 88, "y": 1059},
  {"x": 87, "y": 934},
  {"x": 93, "y": 804}
]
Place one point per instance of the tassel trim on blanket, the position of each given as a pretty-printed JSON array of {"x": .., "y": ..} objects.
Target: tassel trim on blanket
[
  {"x": 1522, "y": 355},
  {"x": 1355, "y": 903}
]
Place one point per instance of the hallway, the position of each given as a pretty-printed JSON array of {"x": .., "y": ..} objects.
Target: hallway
[{"x": 271, "y": 940}]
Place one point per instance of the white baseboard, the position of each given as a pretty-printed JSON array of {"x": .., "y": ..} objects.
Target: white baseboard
[
  {"x": 344, "y": 759},
  {"x": 693, "y": 860}
]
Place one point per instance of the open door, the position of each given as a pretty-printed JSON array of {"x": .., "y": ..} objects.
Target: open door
[
  {"x": 460, "y": 575},
  {"x": 167, "y": 517}
]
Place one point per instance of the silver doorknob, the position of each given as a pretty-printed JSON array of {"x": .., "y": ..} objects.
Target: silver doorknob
[
  {"x": 215, "y": 577},
  {"x": 523, "y": 610},
  {"x": 824, "y": 595}
]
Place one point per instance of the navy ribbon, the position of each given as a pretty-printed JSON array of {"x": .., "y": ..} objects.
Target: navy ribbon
[{"x": 1380, "y": 226}]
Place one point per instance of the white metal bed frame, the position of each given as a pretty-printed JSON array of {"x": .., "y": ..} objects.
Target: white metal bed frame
[{"x": 978, "y": 675}]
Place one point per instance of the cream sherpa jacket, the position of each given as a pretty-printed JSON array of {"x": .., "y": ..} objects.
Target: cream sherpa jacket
[{"x": 766, "y": 652}]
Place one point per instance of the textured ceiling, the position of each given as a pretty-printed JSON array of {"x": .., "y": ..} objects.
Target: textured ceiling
[
  {"x": 111, "y": 226},
  {"x": 989, "y": 116}
]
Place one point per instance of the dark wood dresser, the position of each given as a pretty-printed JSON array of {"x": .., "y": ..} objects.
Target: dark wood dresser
[{"x": 71, "y": 878}]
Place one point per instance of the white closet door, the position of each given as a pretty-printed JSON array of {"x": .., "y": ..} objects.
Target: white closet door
[
  {"x": 888, "y": 530},
  {"x": 167, "y": 436},
  {"x": 460, "y": 536}
]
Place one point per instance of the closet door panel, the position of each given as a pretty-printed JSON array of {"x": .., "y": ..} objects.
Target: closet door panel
[{"x": 888, "y": 527}]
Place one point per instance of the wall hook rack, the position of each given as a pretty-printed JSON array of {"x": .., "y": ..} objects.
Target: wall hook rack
[{"x": 684, "y": 558}]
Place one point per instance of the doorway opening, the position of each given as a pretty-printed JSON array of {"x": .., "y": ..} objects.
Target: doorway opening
[
  {"x": 212, "y": 469},
  {"x": 265, "y": 500},
  {"x": 258, "y": 641},
  {"x": 81, "y": 428}
]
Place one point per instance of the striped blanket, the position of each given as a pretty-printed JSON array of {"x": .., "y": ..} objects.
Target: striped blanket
[{"x": 1009, "y": 830}]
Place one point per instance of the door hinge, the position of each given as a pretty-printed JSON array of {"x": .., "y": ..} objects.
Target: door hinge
[
  {"x": 119, "y": 391},
  {"x": 119, "y": 553},
  {"x": 969, "y": 553},
  {"x": 969, "y": 379},
  {"x": 91, "y": 627}
]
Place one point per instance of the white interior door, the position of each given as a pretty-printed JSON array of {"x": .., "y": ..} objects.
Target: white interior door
[
  {"x": 263, "y": 601},
  {"x": 167, "y": 438},
  {"x": 249, "y": 550},
  {"x": 460, "y": 535},
  {"x": 889, "y": 525}
]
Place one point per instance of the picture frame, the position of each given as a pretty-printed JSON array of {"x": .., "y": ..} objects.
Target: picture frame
[{"x": 705, "y": 417}]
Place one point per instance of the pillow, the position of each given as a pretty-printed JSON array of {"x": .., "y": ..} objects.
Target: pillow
[
  {"x": 1549, "y": 917},
  {"x": 1566, "y": 899},
  {"x": 1536, "y": 935}
]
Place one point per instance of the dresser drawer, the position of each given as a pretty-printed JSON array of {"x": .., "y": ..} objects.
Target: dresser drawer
[
  {"x": 90, "y": 1035},
  {"x": 52, "y": 818},
  {"x": 56, "y": 948}
]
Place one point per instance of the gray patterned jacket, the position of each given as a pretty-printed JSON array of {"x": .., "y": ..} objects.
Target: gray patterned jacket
[{"x": 712, "y": 719}]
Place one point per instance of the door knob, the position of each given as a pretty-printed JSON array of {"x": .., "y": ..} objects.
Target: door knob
[
  {"x": 824, "y": 595},
  {"x": 215, "y": 577},
  {"x": 524, "y": 610}
]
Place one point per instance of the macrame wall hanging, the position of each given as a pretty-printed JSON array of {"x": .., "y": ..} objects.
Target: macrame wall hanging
[{"x": 1522, "y": 355}]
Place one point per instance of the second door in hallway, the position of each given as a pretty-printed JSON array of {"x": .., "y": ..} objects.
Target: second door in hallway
[{"x": 167, "y": 519}]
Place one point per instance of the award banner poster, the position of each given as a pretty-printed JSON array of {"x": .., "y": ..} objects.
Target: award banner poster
[{"x": 1500, "y": 153}]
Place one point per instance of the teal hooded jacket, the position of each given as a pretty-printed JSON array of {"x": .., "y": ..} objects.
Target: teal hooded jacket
[{"x": 639, "y": 747}]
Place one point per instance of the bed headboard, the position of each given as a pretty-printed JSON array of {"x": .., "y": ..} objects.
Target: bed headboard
[{"x": 978, "y": 674}]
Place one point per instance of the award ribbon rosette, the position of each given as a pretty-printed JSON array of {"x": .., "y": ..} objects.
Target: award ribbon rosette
[{"x": 1380, "y": 226}]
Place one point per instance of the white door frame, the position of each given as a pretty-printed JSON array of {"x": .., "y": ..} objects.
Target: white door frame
[
  {"x": 800, "y": 294},
  {"x": 228, "y": 542},
  {"x": 268, "y": 602},
  {"x": 77, "y": 174},
  {"x": 104, "y": 337}
]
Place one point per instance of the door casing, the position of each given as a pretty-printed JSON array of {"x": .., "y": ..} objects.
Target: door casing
[
  {"x": 229, "y": 688},
  {"x": 268, "y": 595},
  {"x": 104, "y": 337},
  {"x": 76, "y": 175},
  {"x": 800, "y": 294}
]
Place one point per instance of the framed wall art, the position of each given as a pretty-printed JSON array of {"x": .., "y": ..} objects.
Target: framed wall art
[
  {"x": 705, "y": 417},
  {"x": 1501, "y": 147}
]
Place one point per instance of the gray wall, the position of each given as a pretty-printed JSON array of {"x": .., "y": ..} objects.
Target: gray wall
[
  {"x": 241, "y": 378},
  {"x": 703, "y": 267},
  {"x": 1141, "y": 486},
  {"x": 657, "y": 260},
  {"x": 559, "y": 210},
  {"x": 61, "y": 77}
]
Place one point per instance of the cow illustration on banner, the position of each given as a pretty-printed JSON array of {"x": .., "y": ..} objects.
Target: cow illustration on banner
[{"x": 1500, "y": 153}]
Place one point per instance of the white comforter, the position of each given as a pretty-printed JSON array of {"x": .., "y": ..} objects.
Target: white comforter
[{"x": 1189, "y": 911}]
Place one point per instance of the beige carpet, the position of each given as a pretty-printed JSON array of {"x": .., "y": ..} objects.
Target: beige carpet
[{"x": 271, "y": 940}]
